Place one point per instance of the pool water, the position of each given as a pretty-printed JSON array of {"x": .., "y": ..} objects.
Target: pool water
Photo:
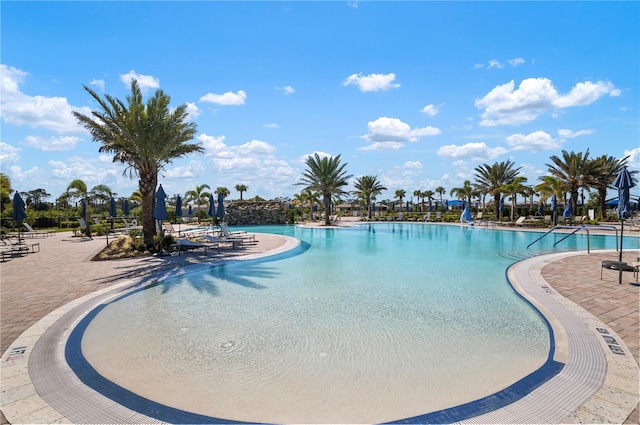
[{"x": 357, "y": 325}]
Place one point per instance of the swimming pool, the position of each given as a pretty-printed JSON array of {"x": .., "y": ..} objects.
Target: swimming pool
[{"x": 370, "y": 324}]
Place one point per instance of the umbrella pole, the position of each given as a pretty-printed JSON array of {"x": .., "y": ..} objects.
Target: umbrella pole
[{"x": 620, "y": 258}]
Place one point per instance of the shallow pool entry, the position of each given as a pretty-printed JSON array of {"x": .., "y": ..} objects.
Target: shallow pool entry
[{"x": 366, "y": 325}]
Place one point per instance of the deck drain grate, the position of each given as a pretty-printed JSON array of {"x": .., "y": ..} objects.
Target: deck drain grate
[{"x": 611, "y": 342}]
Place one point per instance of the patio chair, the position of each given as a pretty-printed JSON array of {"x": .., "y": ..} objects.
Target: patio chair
[
  {"x": 439, "y": 216},
  {"x": 228, "y": 234},
  {"x": 427, "y": 216},
  {"x": 34, "y": 233},
  {"x": 235, "y": 242},
  {"x": 186, "y": 245},
  {"x": 520, "y": 221}
]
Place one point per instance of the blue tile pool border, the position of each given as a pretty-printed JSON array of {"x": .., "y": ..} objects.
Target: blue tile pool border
[{"x": 90, "y": 377}]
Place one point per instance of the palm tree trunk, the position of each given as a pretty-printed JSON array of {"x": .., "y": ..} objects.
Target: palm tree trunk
[
  {"x": 327, "y": 209},
  {"x": 147, "y": 191}
]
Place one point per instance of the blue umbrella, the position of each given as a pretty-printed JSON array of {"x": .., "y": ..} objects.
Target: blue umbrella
[
  {"x": 211, "y": 212},
  {"x": 541, "y": 209},
  {"x": 113, "y": 211},
  {"x": 430, "y": 206},
  {"x": 160, "y": 212},
  {"x": 125, "y": 208},
  {"x": 501, "y": 205},
  {"x": 568, "y": 211},
  {"x": 190, "y": 211},
  {"x": 554, "y": 207},
  {"x": 84, "y": 209},
  {"x": 623, "y": 183},
  {"x": 19, "y": 211},
  {"x": 407, "y": 206},
  {"x": 178, "y": 210},
  {"x": 220, "y": 212},
  {"x": 178, "y": 206}
]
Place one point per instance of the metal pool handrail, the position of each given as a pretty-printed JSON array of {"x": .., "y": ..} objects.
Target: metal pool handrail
[{"x": 577, "y": 229}]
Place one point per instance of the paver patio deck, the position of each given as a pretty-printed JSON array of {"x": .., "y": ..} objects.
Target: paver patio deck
[{"x": 35, "y": 285}]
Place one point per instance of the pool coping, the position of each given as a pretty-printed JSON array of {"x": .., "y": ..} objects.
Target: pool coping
[{"x": 570, "y": 396}]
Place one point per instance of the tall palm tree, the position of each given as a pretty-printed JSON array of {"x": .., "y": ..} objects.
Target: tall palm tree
[
  {"x": 101, "y": 193},
  {"x": 606, "y": 170},
  {"x": 78, "y": 189},
  {"x": 575, "y": 171},
  {"x": 427, "y": 194},
  {"x": 5, "y": 191},
  {"x": 146, "y": 137},
  {"x": 241, "y": 188},
  {"x": 440, "y": 190},
  {"x": 490, "y": 179},
  {"x": 367, "y": 188},
  {"x": 199, "y": 195},
  {"x": 327, "y": 176},
  {"x": 514, "y": 188},
  {"x": 464, "y": 193},
  {"x": 400, "y": 194}
]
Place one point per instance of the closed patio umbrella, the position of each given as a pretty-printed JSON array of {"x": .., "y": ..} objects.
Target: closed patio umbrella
[
  {"x": 179, "y": 210},
  {"x": 501, "y": 206},
  {"x": 19, "y": 211},
  {"x": 211, "y": 211},
  {"x": 113, "y": 212},
  {"x": 160, "y": 211},
  {"x": 220, "y": 211},
  {"x": 568, "y": 211},
  {"x": 623, "y": 183},
  {"x": 85, "y": 217},
  {"x": 466, "y": 215},
  {"x": 125, "y": 208}
]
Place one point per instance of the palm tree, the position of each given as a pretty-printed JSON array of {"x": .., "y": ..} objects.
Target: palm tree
[
  {"x": 199, "y": 195},
  {"x": 5, "y": 191},
  {"x": 491, "y": 178},
  {"x": 327, "y": 176},
  {"x": 400, "y": 194},
  {"x": 575, "y": 171},
  {"x": 78, "y": 189},
  {"x": 101, "y": 194},
  {"x": 427, "y": 194},
  {"x": 241, "y": 188},
  {"x": 146, "y": 137},
  {"x": 464, "y": 193},
  {"x": 606, "y": 170},
  {"x": 440, "y": 190},
  {"x": 514, "y": 188},
  {"x": 367, "y": 188},
  {"x": 221, "y": 190}
]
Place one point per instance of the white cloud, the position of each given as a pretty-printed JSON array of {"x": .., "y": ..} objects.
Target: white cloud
[
  {"x": 494, "y": 64},
  {"x": 302, "y": 159},
  {"x": 212, "y": 143},
  {"x": 382, "y": 146},
  {"x": 478, "y": 65},
  {"x": 190, "y": 170},
  {"x": 52, "y": 113},
  {"x": 533, "y": 142},
  {"x": 564, "y": 133},
  {"x": 431, "y": 110},
  {"x": 506, "y": 105},
  {"x": 145, "y": 82},
  {"x": 8, "y": 153},
  {"x": 50, "y": 144},
  {"x": 193, "y": 112},
  {"x": 385, "y": 129},
  {"x": 477, "y": 151},
  {"x": 228, "y": 98},
  {"x": 353, "y": 4},
  {"x": 97, "y": 83},
  {"x": 416, "y": 165},
  {"x": 256, "y": 147},
  {"x": 372, "y": 82},
  {"x": 634, "y": 158},
  {"x": 287, "y": 90},
  {"x": 515, "y": 62},
  {"x": 272, "y": 125}
]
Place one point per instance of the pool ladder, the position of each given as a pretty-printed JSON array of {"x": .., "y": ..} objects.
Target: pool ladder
[{"x": 576, "y": 230}]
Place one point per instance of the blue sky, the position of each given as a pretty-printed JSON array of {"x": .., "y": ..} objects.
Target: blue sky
[{"x": 416, "y": 93}]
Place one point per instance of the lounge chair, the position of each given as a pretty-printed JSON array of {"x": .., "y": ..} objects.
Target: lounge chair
[
  {"x": 186, "y": 244},
  {"x": 34, "y": 233},
  {"x": 438, "y": 216},
  {"x": 520, "y": 221},
  {"x": 235, "y": 242},
  {"x": 427, "y": 216},
  {"x": 479, "y": 215},
  {"x": 228, "y": 234}
]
